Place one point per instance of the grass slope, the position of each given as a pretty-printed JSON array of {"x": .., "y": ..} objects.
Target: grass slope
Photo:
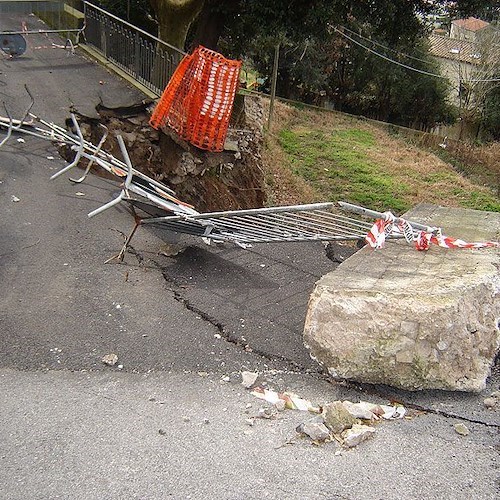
[{"x": 318, "y": 156}]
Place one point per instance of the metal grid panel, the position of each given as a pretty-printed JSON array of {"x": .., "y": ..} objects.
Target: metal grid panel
[{"x": 293, "y": 223}]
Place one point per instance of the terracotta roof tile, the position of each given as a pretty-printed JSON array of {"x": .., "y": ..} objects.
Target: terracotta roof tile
[{"x": 471, "y": 23}]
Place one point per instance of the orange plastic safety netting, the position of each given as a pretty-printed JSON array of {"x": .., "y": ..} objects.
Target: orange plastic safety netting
[{"x": 198, "y": 100}]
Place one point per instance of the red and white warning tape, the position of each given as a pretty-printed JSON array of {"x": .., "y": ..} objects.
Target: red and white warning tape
[{"x": 422, "y": 240}]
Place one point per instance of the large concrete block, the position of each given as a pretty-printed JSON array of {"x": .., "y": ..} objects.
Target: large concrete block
[{"x": 409, "y": 319}]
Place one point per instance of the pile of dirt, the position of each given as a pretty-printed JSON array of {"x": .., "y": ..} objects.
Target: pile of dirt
[{"x": 230, "y": 180}]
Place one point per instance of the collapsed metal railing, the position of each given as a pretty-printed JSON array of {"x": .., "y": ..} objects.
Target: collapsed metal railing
[{"x": 153, "y": 203}]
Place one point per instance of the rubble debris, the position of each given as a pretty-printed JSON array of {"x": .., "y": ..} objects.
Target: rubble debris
[
  {"x": 461, "y": 429},
  {"x": 266, "y": 413},
  {"x": 110, "y": 359},
  {"x": 21, "y": 140},
  {"x": 248, "y": 379},
  {"x": 315, "y": 429},
  {"x": 357, "y": 434},
  {"x": 393, "y": 412},
  {"x": 337, "y": 418},
  {"x": 291, "y": 400},
  {"x": 15, "y": 199},
  {"x": 363, "y": 410},
  {"x": 340, "y": 420},
  {"x": 280, "y": 405},
  {"x": 492, "y": 401}
]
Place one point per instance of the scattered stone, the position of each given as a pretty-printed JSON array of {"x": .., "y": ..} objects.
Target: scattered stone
[
  {"x": 315, "y": 429},
  {"x": 20, "y": 140},
  {"x": 110, "y": 359},
  {"x": 206, "y": 421},
  {"x": 280, "y": 405},
  {"x": 79, "y": 193},
  {"x": 357, "y": 434},
  {"x": 203, "y": 374},
  {"x": 226, "y": 378},
  {"x": 250, "y": 421},
  {"x": 120, "y": 367},
  {"x": 186, "y": 419},
  {"x": 15, "y": 199},
  {"x": 266, "y": 413},
  {"x": 337, "y": 418},
  {"x": 461, "y": 429},
  {"x": 248, "y": 379},
  {"x": 490, "y": 402},
  {"x": 359, "y": 410},
  {"x": 162, "y": 432}
]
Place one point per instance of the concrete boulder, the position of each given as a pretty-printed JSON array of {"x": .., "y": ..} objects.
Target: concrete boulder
[{"x": 409, "y": 319}]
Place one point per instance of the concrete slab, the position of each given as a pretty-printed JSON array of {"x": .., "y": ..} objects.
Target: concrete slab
[{"x": 413, "y": 319}]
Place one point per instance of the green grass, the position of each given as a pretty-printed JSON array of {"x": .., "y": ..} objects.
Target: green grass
[{"x": 337, "y": 165}]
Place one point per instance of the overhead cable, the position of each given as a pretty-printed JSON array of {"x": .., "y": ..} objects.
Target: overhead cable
[{"x": 411, "y": 68}]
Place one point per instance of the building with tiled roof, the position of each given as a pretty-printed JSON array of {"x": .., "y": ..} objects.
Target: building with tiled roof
[
  {"x": 467, "y": 29},
  {"x": 463, "y": 51}
]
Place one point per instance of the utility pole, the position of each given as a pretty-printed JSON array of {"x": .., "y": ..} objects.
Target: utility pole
[{"x": 273, "y": 85}]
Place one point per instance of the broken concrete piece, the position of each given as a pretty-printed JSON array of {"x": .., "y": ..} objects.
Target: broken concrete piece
[
  {"x": 461, "y": 429},
  {"x": 413, "y": 320},
  {"x": 315, "y": 429},
  {"x": 357, "y": 434},
  {"x": 359, "y": 410},
  {"x": 337, "y": 418},
  {"x": 248, "y": 379},
  {"x": 110, "y": 359}
]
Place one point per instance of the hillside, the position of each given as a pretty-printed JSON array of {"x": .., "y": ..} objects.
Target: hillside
[{"x": 321, "y": 156}]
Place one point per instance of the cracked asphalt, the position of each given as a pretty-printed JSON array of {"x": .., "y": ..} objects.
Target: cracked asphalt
[{"x": 172, "y": 423}]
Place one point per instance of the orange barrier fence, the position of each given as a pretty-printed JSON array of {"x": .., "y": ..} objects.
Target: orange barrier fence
[{"x": 198, "y": 100}]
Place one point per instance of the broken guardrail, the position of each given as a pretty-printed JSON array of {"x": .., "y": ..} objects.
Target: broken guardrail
[{"x": 153, "y": 203}]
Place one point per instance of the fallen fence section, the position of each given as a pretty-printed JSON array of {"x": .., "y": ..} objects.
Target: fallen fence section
[{"x": 159, "y": 206}]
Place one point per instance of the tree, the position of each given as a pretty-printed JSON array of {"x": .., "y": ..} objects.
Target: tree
[{"x": 174, "y": 18}]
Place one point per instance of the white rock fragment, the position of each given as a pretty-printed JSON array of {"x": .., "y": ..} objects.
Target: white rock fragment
[
  {"x": 490, "y": 403},
  {"x": 21, "y": 140},
  {"x": 316, "y": 431},
  {"x": 248, "y": 379},
  {"x": 280, "y": 405},
  {"x": 461, "y": 429},
  {"x": 110, "y": 359},
  {"x": 393, "y": 412},
  {"x": 359, "y": 410},
  {"x": 15, "y": 199},
  {"x": 357, "y": 434}
]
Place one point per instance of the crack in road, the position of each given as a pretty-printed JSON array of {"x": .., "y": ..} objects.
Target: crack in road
[
  {"x": 179, "y": 297},
  {"x": 296, "y": 367}
]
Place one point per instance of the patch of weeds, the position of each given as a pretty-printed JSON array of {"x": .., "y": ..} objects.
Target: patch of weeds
[{"x": 337, "y": 165}]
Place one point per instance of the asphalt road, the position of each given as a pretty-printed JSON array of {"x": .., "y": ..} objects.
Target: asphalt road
[{"x": 172, "y": 422}]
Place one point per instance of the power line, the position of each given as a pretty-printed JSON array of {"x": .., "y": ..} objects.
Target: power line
[
  {"x": 411, "y": 68},
  {"x": 384, "y": 46}
]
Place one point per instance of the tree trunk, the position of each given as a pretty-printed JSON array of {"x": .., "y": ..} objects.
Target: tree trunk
[
  {"x": 209, "y": 27},
  {"x": 174, "y": 18}
]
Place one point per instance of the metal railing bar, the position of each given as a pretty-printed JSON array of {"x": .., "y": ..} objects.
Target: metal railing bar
[{"x": 135, "y": 28}]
